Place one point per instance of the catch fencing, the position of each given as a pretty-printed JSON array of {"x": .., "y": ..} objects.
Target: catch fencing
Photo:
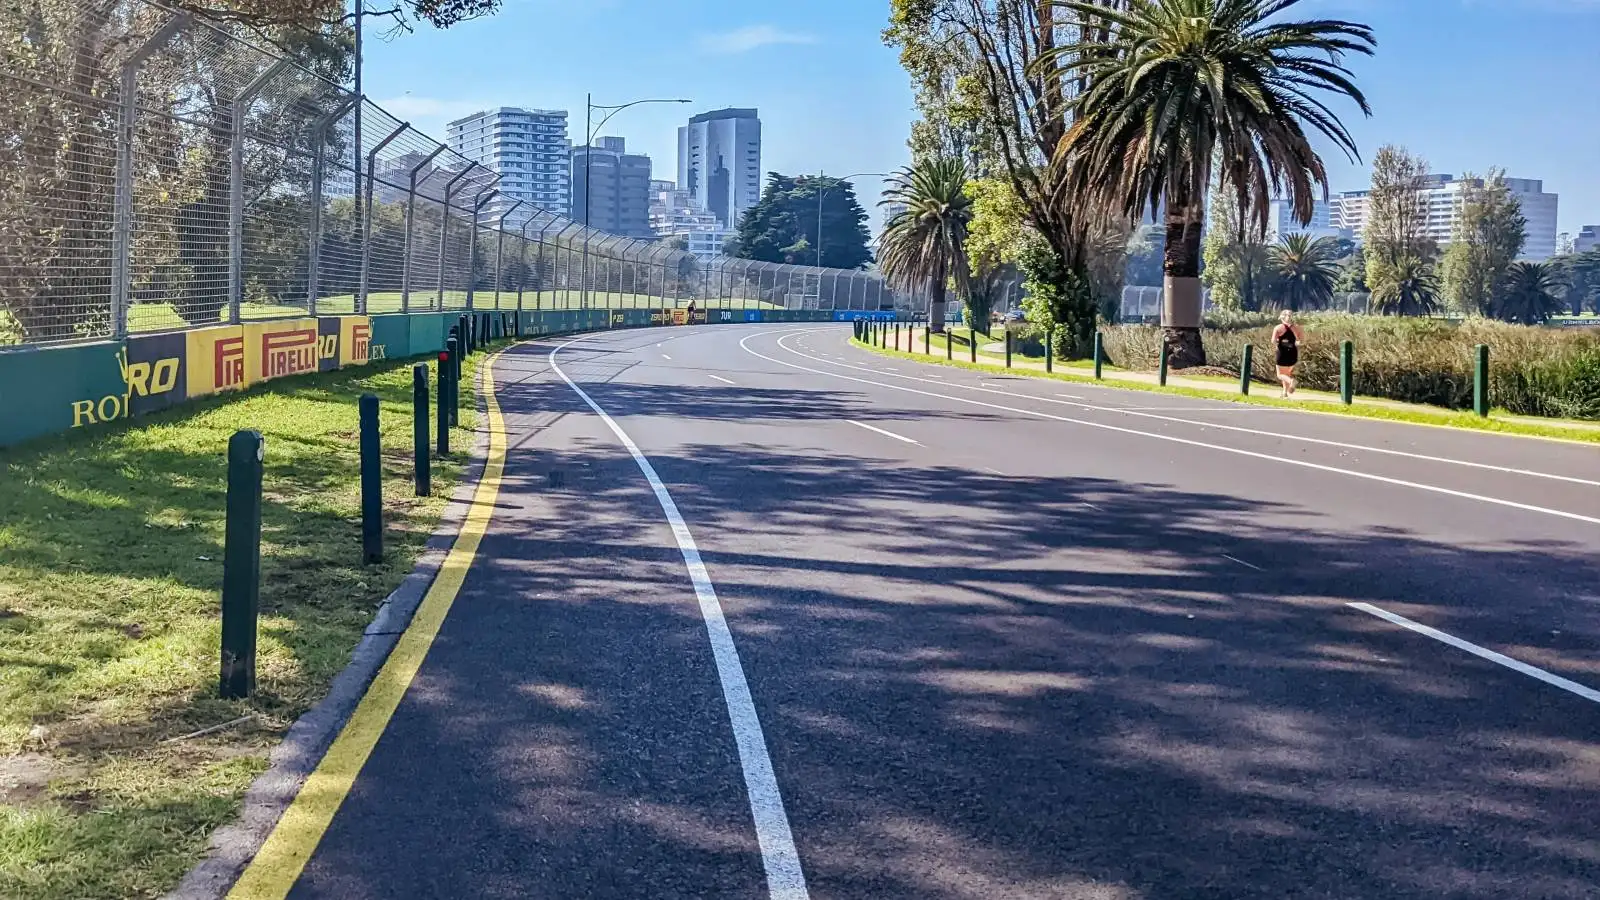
[
  {"x": 161, "y": 172},
  {"x": 1143, "y": 304}
]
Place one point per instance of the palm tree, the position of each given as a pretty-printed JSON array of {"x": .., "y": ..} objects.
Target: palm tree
[
  {"x": 927, "y": 242},
  {"x": 1175, "y": 91},
  {"x": 1306, "y": 268},
  {"x": 1411, "y": 289},
  {"x": 1533, "y": 293}
]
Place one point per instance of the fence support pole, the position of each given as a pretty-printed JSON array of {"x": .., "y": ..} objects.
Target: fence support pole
[
  {"x": 239, "y": 107},
  {"x": 1347, "y": 356},
  {"x": 319, "y": 165},
  {"x": 1244, "y": 369},
  {"x": 366, "y": 217},
  {"x": 241, "y": 565},
  {"x": 500, "y": 247},
  {"x": 483, "y": 197},
  {"x": 1480, "y": 382},
  {"x": 411, "y": 225},
  {"x": 444, "y": 226},
  {"x": 122, "y": 210}
]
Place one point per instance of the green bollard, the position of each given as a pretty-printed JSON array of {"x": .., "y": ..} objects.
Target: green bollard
[
  {"x": 927, "y": 340},
  {"x": 371, "y": 481},
  {"x": 897, "y": 336},
  {"x": 1480, "y": 382},
  {"x": 1099, "y": 354},
  {"x": 1347, "y": 385},
  {"x": 1008, "y": 348},
  {"x": 972, "y": 346},
  {"x": 444, "y": 403},
  {"x": 241, "y": 565},
  {"x": 421, "y": 461},
  {"x": 949, "y": 344},
  {"x": 1161, "y": 377},
  {"x": 452, "y": 347},
  {"x": 1244, "y": 370},
  {"x": 1049, "y": 350}
]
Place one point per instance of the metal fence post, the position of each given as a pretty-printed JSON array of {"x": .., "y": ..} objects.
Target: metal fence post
[
  {"x": 239, "y": 108},
  {"x": 366, "y": 218},
  {"x": 444, "y": 226},
  {"x": 411, "y": 224},
  {"x": 319, "y": 156},
  {"x": 500, "y": 248},
  {"x": 122, "y": 211},
  {"x": 481, "y": 198}
]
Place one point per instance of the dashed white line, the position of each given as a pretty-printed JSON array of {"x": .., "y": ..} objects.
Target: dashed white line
[
  {"x": 785, "y": 879},
  {"x": 1070, "y": 396},
  {"x": 1571, "y": 687},
  {"x": 898, "y": 437},
  {"x": 719, "y": 378},
  {"x": 666, "y": 357},
  {"x": 1242, "y": 562}
]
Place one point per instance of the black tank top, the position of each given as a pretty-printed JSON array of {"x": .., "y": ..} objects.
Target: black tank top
[{"x": 1287, "y": 341}]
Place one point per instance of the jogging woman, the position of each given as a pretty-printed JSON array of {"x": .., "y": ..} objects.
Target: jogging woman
[{"x": 1288, "y": 337}]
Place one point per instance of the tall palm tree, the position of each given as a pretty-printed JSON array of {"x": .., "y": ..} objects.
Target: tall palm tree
[
  {"x": 926, "y": 244},
  {"x": 1306, "y": 268},
  {"x": 1176, "y": 91},
  {"x": 1412, "y": 289},
  {"x": 1533, "y": 293}
]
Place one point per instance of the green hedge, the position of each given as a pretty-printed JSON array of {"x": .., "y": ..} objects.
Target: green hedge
[{"x": 1534, "y": 371}]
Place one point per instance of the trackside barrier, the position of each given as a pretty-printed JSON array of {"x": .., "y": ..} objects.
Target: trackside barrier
[{"x": 49, "y": 390}]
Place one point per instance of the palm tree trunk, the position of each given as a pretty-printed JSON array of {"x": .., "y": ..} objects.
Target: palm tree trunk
[
  {"x": 936, "y": 306},
  {"x": 1181, "y": 304}
]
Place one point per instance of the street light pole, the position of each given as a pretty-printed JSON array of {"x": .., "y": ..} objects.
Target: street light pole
[{"x": 589, "y": 106}]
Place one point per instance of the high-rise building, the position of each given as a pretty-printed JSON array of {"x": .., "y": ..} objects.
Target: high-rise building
[
  {"x": 527, "y": 148},
  {"x": 719, "y": 162},
  {"x": 1442, "y": 198},
  {"x": 1588, "y": 239},
  {"x": 1281, "y": 220},
  {"x": 673, "y": 214},
  {"x": 619, "y": 189}
]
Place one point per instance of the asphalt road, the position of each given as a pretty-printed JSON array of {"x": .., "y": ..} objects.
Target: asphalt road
[{"x": 997, "y": 638}]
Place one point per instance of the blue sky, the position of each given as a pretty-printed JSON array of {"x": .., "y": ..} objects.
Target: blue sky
[{"x": 1468, "y": 84}]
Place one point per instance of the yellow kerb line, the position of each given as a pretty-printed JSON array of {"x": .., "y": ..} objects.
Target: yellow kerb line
[{"x": 277, "y": 866}]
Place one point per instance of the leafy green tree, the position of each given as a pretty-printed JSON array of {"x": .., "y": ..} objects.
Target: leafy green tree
[
  {"x": 782, "y": 226},
  {"x": 995, "y": 239},
  {"x": 1409, "y": 288},
  {"x": 1396, "y": 215},
  {"x": 1181, "y": 89},
  {"x": 1581, "y": 274},
  {"x": 1488, "y": 237},
  {"x": 1352, "y": 273},
  {"x": 927, "y": 242},
  {"x": 1305, "y": 269},
  {"x": 1533, "y": 293}
]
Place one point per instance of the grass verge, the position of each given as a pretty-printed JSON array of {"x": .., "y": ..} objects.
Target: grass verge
[
  {"x": 110, "y": 572},
  {"x": 1419, "y": 415}
]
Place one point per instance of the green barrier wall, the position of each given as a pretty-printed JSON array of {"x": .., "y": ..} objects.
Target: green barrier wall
[{"x": 50, "y": 390}]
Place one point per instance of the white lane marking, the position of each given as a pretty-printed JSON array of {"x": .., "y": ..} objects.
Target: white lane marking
[
  {"x": 897, "y": 437},
  {"x": 1070, "y": 396},
  {"x": 1088, "y": 504},
  {"x": 993, "y": 471},
  {"x": 666, "y": 357},
  {"x": 719, "y": 378},
  {"x": 785, "y": 880},
  {"x": 1305, "y": 464},
  {"x": 1242, "y": 562},
  {"x": 1514, "y": 665},
  {"x": 931, "y": 375},
  {"x": 1136, "y": 411}
]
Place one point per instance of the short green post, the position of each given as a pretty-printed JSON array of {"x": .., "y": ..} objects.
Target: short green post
[
  {"x": 972, "y": 345},
  {"x": 1347, "y": 385},
  {"x": 452, "y": 347},
  {"x": 1161, "y": 376},
  {"x": 1480, "y": 382},
  {"x": 1099, "y": 355},
  {"x": 897, "y": 335},
  {"x": 444, "y": 404},
  {"x": 1049, "y": 349},
  {"x": 1244, "y": 369},
  {"x": 949, "y": 344},
  {"x": 927, "y": 340},
  {"x": 371, "y": 481},
  {"x": 422, "y": 463},
  {"x": 1008, "y": 348},
  {"x": 241, "y": 564}
]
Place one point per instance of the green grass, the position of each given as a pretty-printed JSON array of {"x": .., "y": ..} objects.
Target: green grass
[
  {"x": 1420, "y": 415},
  {"x": 937, "y": 343},
  {"x": 110, "y": 570}
]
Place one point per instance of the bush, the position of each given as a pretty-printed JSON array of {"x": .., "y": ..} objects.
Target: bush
[{"x": 1533, "y": 371}]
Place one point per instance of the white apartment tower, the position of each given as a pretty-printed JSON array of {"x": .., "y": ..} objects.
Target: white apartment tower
[
  {"x": 1442, "y": 197},
  {"x": 527, "y": 148},
  {"x": 719, "y": 162}
]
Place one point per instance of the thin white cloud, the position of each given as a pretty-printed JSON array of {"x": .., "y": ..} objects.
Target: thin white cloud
[{"x": 751, "y": 37}]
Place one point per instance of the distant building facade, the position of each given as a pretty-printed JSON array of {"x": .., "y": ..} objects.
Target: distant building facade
[
  {"x": 719, "y": 162},
  {"x": 527, "y": 148},
  {"x": 1442, "y": 197},
  {"x": 673, "y": 214},
  {"x": 1588, "y": 239},
  {"x": 618, "y": 189},
  {"x": 1281, "y": 220}
]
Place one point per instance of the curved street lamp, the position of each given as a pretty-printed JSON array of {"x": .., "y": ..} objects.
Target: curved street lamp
[{"x": 589, "y": 129}]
